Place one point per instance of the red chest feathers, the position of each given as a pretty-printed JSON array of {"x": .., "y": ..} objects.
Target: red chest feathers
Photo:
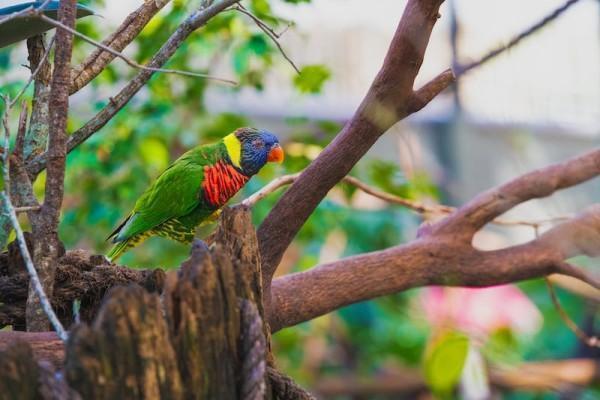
[{"x": 221, "y": 182}]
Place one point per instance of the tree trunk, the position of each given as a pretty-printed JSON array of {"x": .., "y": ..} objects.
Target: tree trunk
[{"x": 202, "y": 338}]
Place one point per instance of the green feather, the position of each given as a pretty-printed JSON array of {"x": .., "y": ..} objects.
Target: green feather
[{"x": 173, "y": 206}]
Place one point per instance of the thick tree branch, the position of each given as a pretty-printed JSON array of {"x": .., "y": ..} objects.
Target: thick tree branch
[
  {"x": 196, "y": 20},
  {"x": 131, "y": 27},
  {"x": 443, "y": 253},
  {"x": 390, "y": 99},
  {"x": 47, "y": 244},
  {"x": 536, "y": 184}
]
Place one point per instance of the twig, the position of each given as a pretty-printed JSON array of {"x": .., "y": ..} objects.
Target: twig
[
  {"x": 591, "y": 341},
  {"x": 269, "y": 188},
  {"x": 129, "y": 29},
  {"x": 194, "y": 21},
  {"x": 128, "y": 60},
  {"x": 390, "y": 198},
  {"x": 418, "y": 207},
  {"x": 463, "y": 69},
  {"x": 26, "y": 209},
  {"x": 33, "y": 275},
  {"x": 268, "y": 31}
]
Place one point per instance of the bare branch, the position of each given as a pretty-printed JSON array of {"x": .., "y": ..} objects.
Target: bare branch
[
  {"x": 591, "y": 341},
  {"x": 536, "y": 184},
  {"x": 268, "y": 31},
  {"x": 125, "y": 34},
  {"x": 429, "y": 91},
  {"x": 421, "y": 208},
  {"x": 405, "y": 382},
  {"x": 128, "y": 60},
  {"x": 196, "y": 20},
  {"x": 27, "y": 209},
  {"x": 269, "y": 188},
  {"x": 460, "y": 70}
]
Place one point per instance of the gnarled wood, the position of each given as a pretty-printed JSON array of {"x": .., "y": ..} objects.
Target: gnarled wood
[{"x": 203, "y": 338}]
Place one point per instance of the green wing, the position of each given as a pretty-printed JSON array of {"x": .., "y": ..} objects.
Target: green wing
[{"x": 175, "y": 193}]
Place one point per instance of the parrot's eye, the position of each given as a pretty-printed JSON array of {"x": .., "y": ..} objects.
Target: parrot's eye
[{"x": 258, "y": 144}]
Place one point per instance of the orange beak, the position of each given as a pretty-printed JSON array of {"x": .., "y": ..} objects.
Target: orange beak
[{"x": 276, "y": 154}]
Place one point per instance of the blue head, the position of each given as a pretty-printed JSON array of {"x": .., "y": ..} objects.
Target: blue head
[{"x": 257, "y": 147}]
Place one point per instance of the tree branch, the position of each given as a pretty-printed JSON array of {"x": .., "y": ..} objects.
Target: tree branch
[
  {"x": 390, "y": 99},
  {"x": 44, "y": 303},
  {"x": 536, "y": 184},
  {"x": 47, "y": 244},
  {"x": 268, "y": 31},
  {"x": 460, "y": 70},
  {"x": 128, "y": 60},
  {"x": 443, "y": 253},
  {"x": 131, "y": 27},
  {"x": 196, "y": 20}
]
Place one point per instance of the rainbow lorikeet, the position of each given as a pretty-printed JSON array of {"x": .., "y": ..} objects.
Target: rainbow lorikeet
[{"x": 195, "y": 187}]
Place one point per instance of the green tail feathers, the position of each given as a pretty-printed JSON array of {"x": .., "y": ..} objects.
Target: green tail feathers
[
  {"x": 126, "y": 244},
  {"x": 118, "y": 249}
]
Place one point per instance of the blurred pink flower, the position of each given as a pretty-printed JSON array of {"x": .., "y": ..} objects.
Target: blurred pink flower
[{"x": 481, "y": 311}]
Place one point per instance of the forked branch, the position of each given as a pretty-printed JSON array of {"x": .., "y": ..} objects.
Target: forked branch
[{"x": 444, "y": 255}]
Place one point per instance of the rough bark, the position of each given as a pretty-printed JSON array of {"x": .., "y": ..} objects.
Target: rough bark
[
  {"x": 47, "y": 244},
  {"x": 37, "y": 135},
  {"x": 79, "y": 276},
  {"x": 205, "y": 330}
]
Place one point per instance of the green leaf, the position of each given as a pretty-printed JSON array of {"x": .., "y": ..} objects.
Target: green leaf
[
  {"x": 444, "y": 361},
  {"x": 311, "y": 78}
]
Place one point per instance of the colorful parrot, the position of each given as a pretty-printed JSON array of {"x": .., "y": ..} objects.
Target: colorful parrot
[{"x": 195, "y": 187}]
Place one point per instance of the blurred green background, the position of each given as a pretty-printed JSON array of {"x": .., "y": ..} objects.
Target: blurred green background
[{"x": 367, "y": 341}]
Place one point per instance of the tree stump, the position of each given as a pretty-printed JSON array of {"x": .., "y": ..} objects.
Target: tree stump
[{"x": 202, "y": 338}]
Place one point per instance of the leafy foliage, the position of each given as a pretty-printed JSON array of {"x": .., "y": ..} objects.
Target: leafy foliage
[
  {"x": 311, "y": 78},
  {"x": 444, "y": 361}
]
